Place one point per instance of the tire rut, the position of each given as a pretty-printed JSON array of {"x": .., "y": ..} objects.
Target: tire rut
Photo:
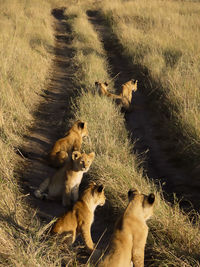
[
  {"x": 49, "y": 119},
  {"x": 143, "y": 124},
  {"x": 49, "y": 124}
]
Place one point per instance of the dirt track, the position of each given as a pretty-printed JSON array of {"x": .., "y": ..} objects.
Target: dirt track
[
  {"x": 143, "y": 123},
  {"x": 50, "y": 116},
  {"x": 50, "y": 121}
]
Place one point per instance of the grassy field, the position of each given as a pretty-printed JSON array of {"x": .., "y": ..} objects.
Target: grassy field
[
  {"x": 162, "y": 39},
  {"x": 173, "y": 239},
  {"x": 26, "y": 46},
  {"x": 24, "y": 240}
]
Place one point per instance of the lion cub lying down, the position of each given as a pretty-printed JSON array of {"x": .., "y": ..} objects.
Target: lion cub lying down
[
  {"x": 72, "y": 141},
  {"x": 125, "y": 97},
  {"x": 65, "y": 183},
  {"x": 103, "y": 90},
  {"x": 130, "y": 233},
  {"x": 80, "y": 218}
]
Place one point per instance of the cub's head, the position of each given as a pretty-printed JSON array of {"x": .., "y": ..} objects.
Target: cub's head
[
  {"x": 141, "y": 202},
  {"x": 82, "y": 161},
  {"x": 96, "y": 192},
  {"x": 81, "y": 126},
  {"x": 102, "y": 87},
  {"x": 132, "y": 84}
]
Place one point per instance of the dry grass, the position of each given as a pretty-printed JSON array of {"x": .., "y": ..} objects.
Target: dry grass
[
  {"x": 26, "y": 43},
  {"x": 24, "y": 241},
  {"x": 173, "y": 239},
  {"x": 163, "y": 37}
]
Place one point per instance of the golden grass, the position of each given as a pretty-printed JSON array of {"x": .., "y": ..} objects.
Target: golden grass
[
  {"x": 163, "y": 37},
  {"x": 24, "y": 241},
  {"x": 26, "y": 47},
  {"x": 173, "y": 238}
]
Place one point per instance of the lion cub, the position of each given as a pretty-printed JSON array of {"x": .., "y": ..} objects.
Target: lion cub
[
  {"x": 65, "y": 183},
  {"x": 72, "y": 141},
  {"x": 124, "y": 98},
  {"x": 80, "y": 218},
  {"x": 102, "y": 88},
  {"x": 130, "y": 232},
  {"x": 127, "y": 89}
]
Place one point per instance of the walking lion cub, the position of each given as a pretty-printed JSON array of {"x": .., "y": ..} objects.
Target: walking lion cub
[
  {"x": 65, "y": 183},
  {"x": 64, "y": 147},
  {"x": 130, "y": 234},
  {"x": 80, "y": 218}
]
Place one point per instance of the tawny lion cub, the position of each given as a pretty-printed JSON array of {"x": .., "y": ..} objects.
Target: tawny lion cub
[
  {"x": 72, "y": 141},
  {"x": 65, "y": 183},
  {"x": 127, "y": 89},
  {"x": 124, "y": 98},
  {"x": 103, "y": 90},
  {"x": 130, "y": 233},
  {"x": 80, "y": 218}
]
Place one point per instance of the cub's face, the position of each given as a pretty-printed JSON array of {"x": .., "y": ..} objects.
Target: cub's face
[
  {"x": 101, "y": 87},
  {"x": 144, "y": 201},
  {"x": 132, "y": 84},
  {"x": 97, "y": 193},
  {"x": 82, "y": 161}
]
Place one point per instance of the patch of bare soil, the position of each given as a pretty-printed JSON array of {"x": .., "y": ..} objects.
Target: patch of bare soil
[{"x": 144, "y": 124}]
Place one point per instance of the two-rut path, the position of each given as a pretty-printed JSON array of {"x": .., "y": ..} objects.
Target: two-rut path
[
  {"x": 143, "y": 122},
  {"x": 53, "y": 112}
]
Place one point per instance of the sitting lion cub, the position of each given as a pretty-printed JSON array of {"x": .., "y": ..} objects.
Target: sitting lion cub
[
  {"x": 81, "y": 217},
  {"x": 127, "y": 89},
  {"x": 65, "y": 183},
  {"x": 130, "y": 233},
  {"x": 72, "y": 141}
]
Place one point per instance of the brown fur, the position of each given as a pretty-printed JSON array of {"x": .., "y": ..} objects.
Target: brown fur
[
  {"x": 130, "y": 233},
  {"x": 127, "y": 89},
  {"x": 65, "y": 183},
  {"x": 64, "y": 147},
  {"x": 80, "y": 219},
  {"x": 124, "y": 98},
  {"x": 102, "y": 88}
]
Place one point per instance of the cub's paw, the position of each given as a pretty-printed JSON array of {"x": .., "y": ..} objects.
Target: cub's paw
[{"x": 40, "y": 195}]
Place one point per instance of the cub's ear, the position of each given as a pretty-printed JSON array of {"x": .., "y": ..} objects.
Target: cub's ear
[
  {"x": 151, "y": 198},
  {"x": 92, "y": 155},
  {"x": 76, "y": 155},
  {"x": 100, "y": 188},
  {"x": 134, "y": 81},
  {"x": 131, "y": 193},
  {"x": 96, "y": 83},
  {"x": 106, "y": 84},
  {"x": 92, "y": 184},
  {"x": 81, "y": 124}
]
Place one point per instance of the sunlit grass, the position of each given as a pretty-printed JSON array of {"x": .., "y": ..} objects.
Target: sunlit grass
[
  {"x": 173, "y": 239},
  {"x": 163, "y": 37}
]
